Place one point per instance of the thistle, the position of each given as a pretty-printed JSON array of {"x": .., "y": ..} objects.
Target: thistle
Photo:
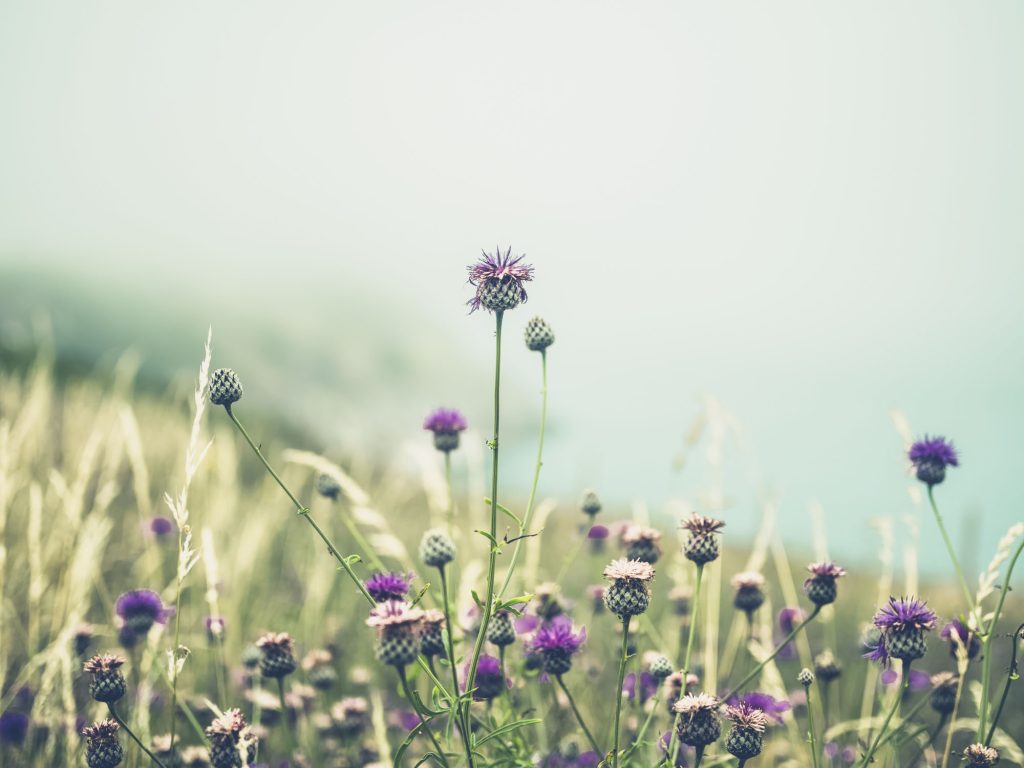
[
  {"x": 500, "y": 631},
  {"x": 749, "y": 595},
  {"x": 351, "y": 715},
  {"x": 660, "y": 667},
  {"x": 498, "y": 279},
  {"x": 556, "y": 644},
  {"x": 629, "y": 593},
  {"x": 642, "y": 543},
  {"x": 979, "y": 756},
  {"x": 490, "y": 682},
  {"x": 943, "y": 696},
  {"x": 103, "y": 750},
  {"x": 746, "y": 737},
  {"x": 436, "y": 549},
  {"x": 902, "y": 625},
  {"x": 107, "y": 683},
  {"x": 826, "y": 667},
  {"x": 538, "y": 335},
  {"x": 225, "y": 387},
  {"x": 399, "y": 627},
  {"x": 820, "y": 587},
  {"x": 319, "y": 668},
  {"x": 232, "y": 742},
  {"x": 277, "y": 659},
  {"x": 328, "y": 487},
  {"x": 702, "y": 545},
  {"x": 805, "y": 677},
  {"x": 137, "y": 612},
  {"x": 930, "y": 456},
  {"x": 446, "y": 424},
  {"x": 698, "y": 719},
  {"x": 432, "y": 633},
  {"x": 13, "y": 728},
  {"x": 388, "y": 586},
  {"x": 959, "y": 637},
  {"x": 590, "y": 504}
]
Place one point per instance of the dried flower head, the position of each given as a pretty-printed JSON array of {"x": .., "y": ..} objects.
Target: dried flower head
[
  {"x": 436, "y": 548},
  {"x": 277, "y": 651},
  {"x": 394, "y": 613},
  {"x": 106, "y": 662},
  {"x": 821, "y": 585},
  {"x": 231, "y": 740},
  {"x": 102, "y": 747},
  {"x": 747, "y": 716},
  {"x": 805, "y": 677},
  {"x": 699, "y": 525},
  {"x": 979, "y": 756},
  {"x": 702, "y": 545},
  {"x": 642, "y": 543},
  {"x": 388, "y": 586},
  {"x": 498, "y": 279},
  {"x": 633, "y": 570},
  {"x": 692, "y": 703},
  {"x": 930, "y": 456},
  {"x": 107, "y": 683}
]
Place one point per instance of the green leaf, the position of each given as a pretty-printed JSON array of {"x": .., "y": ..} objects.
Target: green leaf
[
  {"x": 507, "y": 511},
  {"x": 508, "y": 728}
]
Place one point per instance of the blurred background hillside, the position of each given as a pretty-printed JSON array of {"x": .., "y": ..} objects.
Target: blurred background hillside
[{"x": 795, "y": 239}]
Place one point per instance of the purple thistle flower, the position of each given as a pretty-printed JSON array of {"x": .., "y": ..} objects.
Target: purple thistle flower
[
  {"x": 160, "y": 526},
  {"x": 598, "y": 532},
  {"x": 215, "y": 626},
  {"x": 645, "y": 685},
  {"x": 498, "y": 279},
  {"x": 447, "y": 420},
  {"x": 904, "y": 613},
  {"x": 139, "y": 609},
  {"x": 388, "y": 586},
  {"x": 930, "y": 456},
  {"x": 874, "y": 650},
  {"x": 13, "y": 728},
  {"x": 788, "y": 619},
  {"x": 964, "y": 638},
  {"x": 902, "y": 625},
  {"x": 765, "y": 702},
  {"x": 490, "y": 683},
  {"x": 557, "y": 635}
]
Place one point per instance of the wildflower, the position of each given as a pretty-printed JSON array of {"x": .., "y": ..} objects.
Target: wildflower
[
  {"x": 82, "y": 639},
  {"x": 826, "y": 667},
  {"x": 351, "y": 715},
  {"x": 788, "y": 618},
  {"x": 643, "y": 686},
  {"x": 107, "y": 684},
  {"x": 319, "y": 667},
  {"x": 103, "y": 750},
  {"x": 556, "y": 643},
  {"x": 138, "y": 610},
  {"x": 749, "y": 586},
  {"x": 660, "y": 667},
  {"x": 702, "y": 546},
  {"x": 277, "y": 658},
  {"x": 629, "y": 593},
  {"x": 821, "y": 585},
  {"x": 225, "y": 387},
  {"x": 160, "y": 526},
  {"x": 498, "y": 279},
  {"x": 431, "y": 637},
  {"x": 746, "y": 738},
  {"x": 327, "y": 486},
  {"x": 232, "y": 742},
  {"x": 943, "y": 695},
  {"x": 436, "y": 549},
  {"x": 398, "y": 628},
  {"x": 590, "y": 505},
  {"x": 13, "y": 728},
  {"x": 251, "y": 656},
  {"x": 538, "y": 335},
  {"x": 978, "y": 756},
  {"x": 215, "y": 626},
  {"x": 597, "y": 536},
  {"x": 959, "y": 637},
  {"x": 902, "y": 625},
  {"x": 930, "y": 457},
  {"x": 805, "y": 677},
  {"x": 388, "y": 586},
  {"x": 446, "y": 424},
  {"x": 642, "y": 543},
  {"x": 698, "y": 721},
  {"x": 500, "y": 631},
  {"x": 489, "y": 682},
  {"x": 764, "y": 702},
  {"x": 550, "y": 602}
]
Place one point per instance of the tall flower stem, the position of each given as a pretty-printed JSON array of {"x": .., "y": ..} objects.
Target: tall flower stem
[
  {"x": 778, "y": 649},
  {"x": 463, "y": 711},
  {"x": 492, "y": 542},
  {"x": 303, "y": 511},
  {"x": 285, "y": 720},
  {"x": 812, "y": 740},
  {"x": 673, "y": 744},
  {"x": 952, "y": 551},
  {"x": 576, "y": 712},
  {"x": 177, "y": 641},
  {"x": 1011, "y": 675},
  {"x": 124, "y": 725},
  {"x": 986, "y": 662},
  {"x": 897, "y": 697},
  {"x": 451, "y": 495},
  {"x": 415, "y": 705},
  {"x": 528, "y": 517},
  {"x": 618, "y": 690}
]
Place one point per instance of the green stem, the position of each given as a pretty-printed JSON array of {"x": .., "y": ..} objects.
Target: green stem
[
  {"x": 461, "y": 709},
  {"x": 124, "y": 725},
  {"x": 906, "y": 719},
  {"x": 451, "y": 498},
  {"x": 528, "y": 517},
  {"x": 897, "y": 696},
  {"x": 415, "y": 705},
  {"x": 303, "y": 511},
  {"x": 618, "y": 690},
  {"x": 810, "y": 728},
  {"x": 1011, "y": 675},
  {"x": 492, "y": 546},
  {"x": 778, "y": 649},
  {"x": 177, "y": 641},
  {"x": 673, "y": 744},
  {"x": 286, "y": 720},
  {"x": 576, "y": 712},
  {"x": 952, "y": 552},
  {"x": 699, "y": 756},
  {"x": 643, "y": 729},
  {"x": 931, "y": 738},
  {"x": 986, "y": 663}
]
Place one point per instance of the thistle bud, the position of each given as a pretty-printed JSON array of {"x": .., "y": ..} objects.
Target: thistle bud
[{"x": 225, "y": 387}]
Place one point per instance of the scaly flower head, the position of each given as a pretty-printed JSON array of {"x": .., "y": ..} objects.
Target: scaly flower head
[
  {"x": 747, "y": 716},
  {"x": 498, "y": 279}
]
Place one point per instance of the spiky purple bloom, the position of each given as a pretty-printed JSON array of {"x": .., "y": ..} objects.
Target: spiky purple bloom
[
  {"x": 598, "y": 532},
  {"x": 930, "y": 457},
  {"x": 905, "y": 612},
  {"x": 765, "y": 702},
  {"x": 556, "y": 643},
  {"x": 13, "y": 728},
  {"x": 388, "y": 586},
  {"x": 489, "y": 683},
  {"x": 959, "y": 636},
  {"x": 139, "y": 609},
  {"x": 498, "y": 279},
  {"x": 445, "y": 420},
  {"x": 644, "y": 685},
  {"x": 820, "y": 586},
  {"x": 901, "y": 624}
]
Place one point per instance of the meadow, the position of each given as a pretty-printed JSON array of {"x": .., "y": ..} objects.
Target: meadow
[{"x": 186, "y": 584}]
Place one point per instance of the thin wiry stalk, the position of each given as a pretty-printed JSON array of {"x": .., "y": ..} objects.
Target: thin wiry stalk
[
  {"x": 778, "y": 649},
  {"x": 1011, "y": 675},
  {"x": 576, "y": 712},
  {"x": 812, "y": 740},
  {"x": 673, "y": 744},
  {"x": 618, "y": 690},
  {"x": 897, "y": 697},
  {"x": 462, "y": 709},
  {"x": 124, "y": 725},
  {"x": 986, "y": 663},
  {"x": 952, "y": 552}
]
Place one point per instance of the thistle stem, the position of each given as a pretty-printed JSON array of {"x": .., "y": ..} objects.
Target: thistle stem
[
  {"x": 618, "y": 690},
  {"x": 576, "y": 712},
  {"x": 302, "y": 511},
  {"x": 673, "y": 744},
  {"x": 451, "y": 497},
  {"x": 462, "y": 710},
  {"x": 951, "y": 550},
  {"x": 778, "y": 649},
  {"x": 897, "y": 697},
  {"x": 492, "y": 546},
  {"x": 177, "y": 642},
  {"x": 415, "y": 705},
  {"x": 124, "y": 725},
  {"x": 285, "y": 721},
  {"x": 812, "y": 740}
]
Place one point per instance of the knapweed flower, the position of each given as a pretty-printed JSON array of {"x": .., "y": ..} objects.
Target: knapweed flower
[
  {"x": 749, "y": 595},
  {"x": 642, "y": 543},
  {"x": 820, "y": 586},
  {"x": 826, "y": 667},
  {"x": 161, "y": 526},
  {"x": 82, "y": 639},
  {"x": 398, "y": 628},
  {"x": 328, "y": 487},
  {"x": 232, "y": 742},
  {"x": 930, "y": 456},
  {"x": 980, "y": 756},
  {"x": 436, "y": 549},
  {"x": 13, "y": 728},
  {"x": 318, "y": 665},
  {"x": 943, "y": 695},
  {"x": 959, "y": 637},
  {"x": 746, "y": 738},
  {"x": 225, "y": 387},
  {"x": 590, "y": 505},
  {"x": 500, "y": 630},
  {"x": 644, "y": 685},
  {"x": 446, "y": 424},
  {"x": 538, "y": 335},
  {"x": 902, "y": 625},
  {"x": 805, "y": 677},
  {"x": 432, "y": 633},
  {"x": 550, "y": 602},
  {"x": 765, "y": 702},
  {"x": 102, "y": 749},
  {"x": 556, "y": 643},
  {"x": 138, "y": 610},
  {"x": 498, "y": 279},
  {"x": 107, "y": 683},
  {"x": 698, "y": 719},
  {"x": 277, "y": 651},
  {"x": 702, "y": 546},
  {"x": 351, "y": 715},
  {"x": 489, "y": 682},
  {"x": 388, "y": 586},
  {"x": 629, "y": 593},
  {"x": 660, "y": 666}
]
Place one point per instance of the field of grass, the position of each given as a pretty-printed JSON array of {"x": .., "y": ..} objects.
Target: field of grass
[{"x": 104, "y": 490}]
